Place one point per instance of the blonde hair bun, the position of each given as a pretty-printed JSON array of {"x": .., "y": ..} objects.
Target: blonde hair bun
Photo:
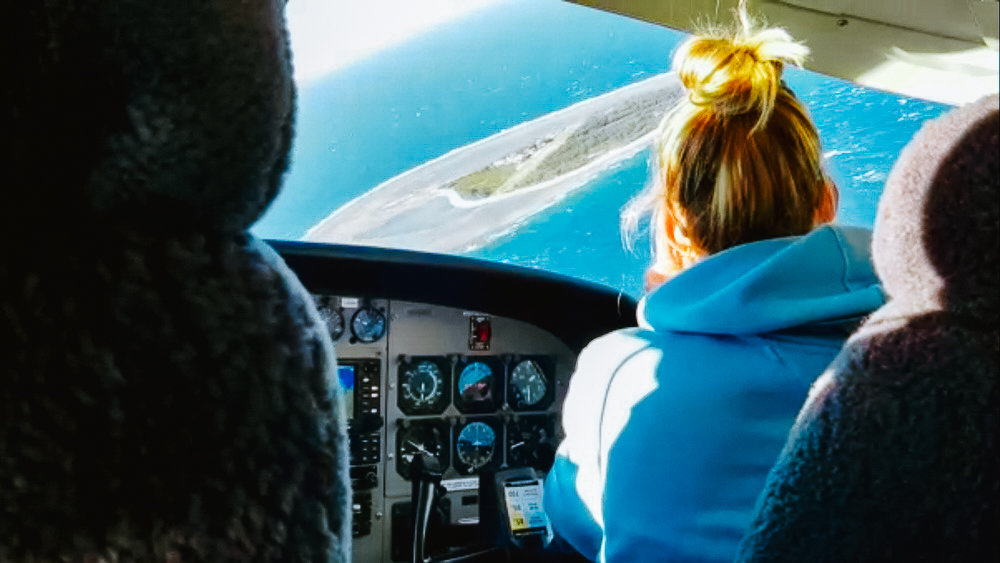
[
  {"x": 738, "y": 159},
  {"x": 737, "y": 72}
]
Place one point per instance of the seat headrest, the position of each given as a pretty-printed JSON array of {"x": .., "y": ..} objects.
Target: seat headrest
[
  {"x": 937, "y": 234},
  {"x": 163, "y": 115}
]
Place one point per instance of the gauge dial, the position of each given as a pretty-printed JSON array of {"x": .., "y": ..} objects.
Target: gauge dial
[
  {"x": 476, "y": 445},
  {"x": 529, "y": 385},
  {"x": 422, "y": 386},
  {"x": 420, "y": 438},
  {"x": 333, "y": 319},
  {"x": 531, "y": 442},
  {"x": 475, "y": 382},
  {"x": 478, "y": 386},
  {"x": 368, "y": 324}
]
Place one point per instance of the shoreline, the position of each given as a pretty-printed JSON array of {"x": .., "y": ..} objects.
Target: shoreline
[{"x": 414, "y": 210}]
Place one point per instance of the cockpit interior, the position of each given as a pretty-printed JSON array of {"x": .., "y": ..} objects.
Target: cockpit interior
[
  {"x": 466, "y": 362},
  {"x": 455, "y": 353}
]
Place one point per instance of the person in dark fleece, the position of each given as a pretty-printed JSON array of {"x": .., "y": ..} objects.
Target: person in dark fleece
[
  {"x": 894, "y": 455},
  {"x": 167, "y": 389}
]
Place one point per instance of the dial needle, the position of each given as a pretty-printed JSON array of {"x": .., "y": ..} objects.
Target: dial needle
[{"x": 420, "y": 447}]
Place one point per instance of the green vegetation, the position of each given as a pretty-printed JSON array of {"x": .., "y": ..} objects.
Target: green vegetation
[
  {"x": 569, "y": 150},
  {"x": 601, "y": 134},
  {"x": 483, "y": 183}
]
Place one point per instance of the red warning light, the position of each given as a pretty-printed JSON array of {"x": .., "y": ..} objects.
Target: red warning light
[{"x": 480, "y": 333}]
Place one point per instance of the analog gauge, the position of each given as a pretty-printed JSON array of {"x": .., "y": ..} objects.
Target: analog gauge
[
  {"x": 333, "y": 319},
  {"x": 475, "y": 382},
  {"x": 422, "y": 385},
  {"x": 477, "y": 389},
  {"x": 528, "y": 384},
  {"x": 368, "y": 324},
  {"x": 531, "y": 442},
  {"x": 421, "y": 438},
  {"x": 476, "y": 445}
]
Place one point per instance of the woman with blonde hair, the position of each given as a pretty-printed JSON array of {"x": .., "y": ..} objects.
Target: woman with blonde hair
[{"x": 671, "y": 427}]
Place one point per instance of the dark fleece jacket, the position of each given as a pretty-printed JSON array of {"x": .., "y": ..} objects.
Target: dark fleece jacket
[
  {"x": 894, "y": 455},
  {"x": 167, "y": 391}
]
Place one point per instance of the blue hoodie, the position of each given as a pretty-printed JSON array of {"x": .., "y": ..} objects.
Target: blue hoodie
[{"x": 671, "y": 428}]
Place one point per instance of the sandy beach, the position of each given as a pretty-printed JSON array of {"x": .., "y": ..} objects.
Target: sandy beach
[{"x": 416, "y": 210}]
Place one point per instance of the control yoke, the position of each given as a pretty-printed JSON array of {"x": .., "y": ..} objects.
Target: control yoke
[{"x": 425, "y": 476}]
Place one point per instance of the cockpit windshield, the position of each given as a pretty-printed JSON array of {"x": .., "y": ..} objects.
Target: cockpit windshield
[{"x": 515, "y": 131}]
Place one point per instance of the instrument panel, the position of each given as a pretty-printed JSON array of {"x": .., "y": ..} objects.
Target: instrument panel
[
  {"x": 502, "y": 387},
  {"x": 476, "y": 391}
]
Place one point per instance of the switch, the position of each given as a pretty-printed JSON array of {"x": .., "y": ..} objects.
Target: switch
[{"x": 480, "y": 333}]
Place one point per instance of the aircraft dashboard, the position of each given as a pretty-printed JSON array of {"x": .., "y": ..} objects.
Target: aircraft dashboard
[
  {"x": 463, "y": 360},
  {"x": 471, "y": 389}
]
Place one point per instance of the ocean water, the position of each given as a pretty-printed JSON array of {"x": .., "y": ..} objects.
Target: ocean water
[
  {"x": 862, "y": 130},
  {"x": 467, "y": 80}
]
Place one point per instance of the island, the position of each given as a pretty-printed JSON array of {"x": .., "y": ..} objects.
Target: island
[{"x": 477, "y": 193}]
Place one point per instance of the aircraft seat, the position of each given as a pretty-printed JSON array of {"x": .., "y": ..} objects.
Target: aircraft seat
[
  {"x": 167, "y": 389},
  {"x": 894, "y": 456}
]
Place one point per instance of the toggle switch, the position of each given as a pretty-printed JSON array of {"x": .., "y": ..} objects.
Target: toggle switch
[{"x": 480, "y": 333}]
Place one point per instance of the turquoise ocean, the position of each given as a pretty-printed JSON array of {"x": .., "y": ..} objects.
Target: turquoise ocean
[{"x": 469, "y": 79}]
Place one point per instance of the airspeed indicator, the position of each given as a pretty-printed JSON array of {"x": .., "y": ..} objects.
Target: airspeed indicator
[{"x": 423, "y": 385}]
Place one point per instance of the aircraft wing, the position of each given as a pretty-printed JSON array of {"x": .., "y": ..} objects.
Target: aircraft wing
[{"x": 940, "y": 50}]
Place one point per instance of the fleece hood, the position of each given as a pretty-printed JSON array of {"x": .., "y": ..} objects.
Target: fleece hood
[{"x": 824, "y": 277}]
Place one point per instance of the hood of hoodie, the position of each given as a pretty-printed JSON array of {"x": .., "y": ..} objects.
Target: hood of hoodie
[{"x": 824, "y": 277}]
